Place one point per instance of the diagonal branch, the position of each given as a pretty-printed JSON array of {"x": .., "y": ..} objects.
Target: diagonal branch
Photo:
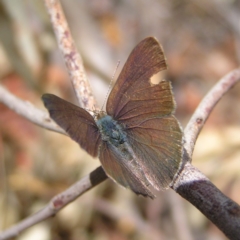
[
  {"x": 57, "y": 203},
  {"x": 27, "y": 110},
  {"x": 204, "y": 109},
  {"x": 73, "y": 60},
  {"x": 196, "y": 188}
]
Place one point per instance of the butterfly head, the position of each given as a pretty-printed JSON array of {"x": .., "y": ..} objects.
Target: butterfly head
[{"x": 98, "y": 115}]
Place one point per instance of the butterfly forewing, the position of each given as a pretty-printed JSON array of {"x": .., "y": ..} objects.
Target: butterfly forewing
[
  {"x": 133, "y": 92},
  {"x": 148, "y": 102},
  {"x": 77, "y": 122}
]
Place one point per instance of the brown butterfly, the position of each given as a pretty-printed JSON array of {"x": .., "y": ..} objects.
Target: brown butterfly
[{"x": 138, "y": 140}]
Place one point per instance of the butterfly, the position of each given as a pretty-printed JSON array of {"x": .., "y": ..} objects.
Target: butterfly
[{"x": 138, "y": 140}]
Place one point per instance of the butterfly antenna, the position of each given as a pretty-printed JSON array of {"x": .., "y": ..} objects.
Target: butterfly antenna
[{"x": 110, "y": 85}]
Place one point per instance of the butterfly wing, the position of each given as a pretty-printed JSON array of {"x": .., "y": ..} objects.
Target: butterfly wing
[
  {"x": 124, "y": 172},
  {"x": 157, "y": 144},
  {"x": 133, "y": 98},
  {"x": 145, "y": 111},
  {"x": 77, "y": 122}
]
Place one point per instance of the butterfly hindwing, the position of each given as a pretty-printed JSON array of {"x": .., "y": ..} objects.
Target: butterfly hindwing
[
  {"x": 77, "y": 122},
  {"x": 157, "y": 144},
  {"x": 125, "y": 173}
]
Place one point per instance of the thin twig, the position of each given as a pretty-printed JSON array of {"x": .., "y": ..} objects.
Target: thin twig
[
  {"x": 27, "y": 110},
  {"x": 204, "y": 109},
  {"x": 57, "y": 203},
  {"x": 71, "y": 56}
]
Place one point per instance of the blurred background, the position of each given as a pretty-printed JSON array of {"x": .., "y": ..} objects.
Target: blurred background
[{"x": 201, "y": 40}]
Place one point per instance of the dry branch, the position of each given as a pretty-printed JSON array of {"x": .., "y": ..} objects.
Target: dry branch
[
  {"x": 204, "y": 109},
  {"x": 70, "y": 54},
  {"x": 57, "y": 203},
  {"x": 27, "y": 110}
]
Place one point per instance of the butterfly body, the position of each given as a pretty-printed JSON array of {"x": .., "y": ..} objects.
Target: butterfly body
[
  {"x": 114, "y": 136},
  {"x": 111, "y": 131},
  {"x": 138, "y": 140}
]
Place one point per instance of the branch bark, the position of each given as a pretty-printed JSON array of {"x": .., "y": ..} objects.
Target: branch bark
[
  {"x": 57, "y": 203},
  {"x": 204, "y": 109},
  {"x": 27, "y": 110},
  {"x": 198, "y": 190},
  {"x": 73, "y": 60}
]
